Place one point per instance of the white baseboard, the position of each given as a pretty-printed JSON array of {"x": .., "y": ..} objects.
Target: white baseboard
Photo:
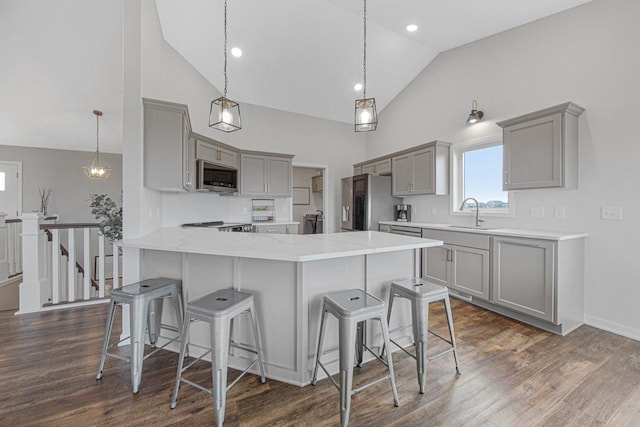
[{"x": 616, "y": 328}]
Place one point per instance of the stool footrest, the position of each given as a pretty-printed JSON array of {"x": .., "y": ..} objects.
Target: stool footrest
[
  {"x": 117, "y": 356},
  {"x": 198, "y": 386},
  {"x": 243, "y": 347},
  {"x": 442, "y": 353},
  {"x": 365, "y": 386}
]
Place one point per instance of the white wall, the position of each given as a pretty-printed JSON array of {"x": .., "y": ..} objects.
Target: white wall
[
  {"x": 588, "y": 55},
  {"x": 167, "y": 76},
  {"x": 61, "y": 170}
]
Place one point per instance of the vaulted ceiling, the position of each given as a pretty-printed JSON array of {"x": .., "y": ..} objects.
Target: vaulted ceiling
[{"x": 62, "y": 59}]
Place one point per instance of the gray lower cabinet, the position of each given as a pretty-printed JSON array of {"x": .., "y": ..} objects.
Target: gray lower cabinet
[
  {"x": 523, "y": 276},
  {"x": 462, "y": 263},
  {"x": 168, "y": 148},
  {"x": 265, "y": 175},
  {"x": 277, "y": 228}
]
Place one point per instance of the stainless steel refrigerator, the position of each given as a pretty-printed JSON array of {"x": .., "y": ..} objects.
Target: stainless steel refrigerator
[{"x": 366, "y": 199}]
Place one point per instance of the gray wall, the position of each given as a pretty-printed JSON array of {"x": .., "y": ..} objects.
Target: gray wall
[{"x": 61, "y": 170}]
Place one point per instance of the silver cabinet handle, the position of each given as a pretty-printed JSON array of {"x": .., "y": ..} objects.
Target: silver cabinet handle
[{"x": 506, "y": 177}]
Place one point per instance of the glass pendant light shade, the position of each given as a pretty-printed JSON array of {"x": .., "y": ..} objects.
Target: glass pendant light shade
[
  {"x": 225, "y": 115},
  {"x": 97, "y": 169},
  {"x": 366, "y": 116}
]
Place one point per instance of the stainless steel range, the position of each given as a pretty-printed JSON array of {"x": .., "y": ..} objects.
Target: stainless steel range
[{"x": 221, "y": 226}]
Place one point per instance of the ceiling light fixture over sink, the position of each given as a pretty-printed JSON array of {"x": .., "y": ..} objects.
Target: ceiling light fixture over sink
[
  {"x": 475, "y": 115},
  {"x": 225, "y": 113},
  {"x": 366, "y": 116}
]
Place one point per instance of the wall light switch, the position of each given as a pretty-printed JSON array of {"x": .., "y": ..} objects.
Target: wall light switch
[
  {"x": 245, "y": 211},
  {"x": 559, "y": 212},
  {"x": 434, "y": 211},
  {"x": 537, "y": 212},
  {"x": 611, "y": 213}
]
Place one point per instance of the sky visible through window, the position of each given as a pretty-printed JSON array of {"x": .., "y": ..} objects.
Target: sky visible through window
[{"x": 483, "y": 177}]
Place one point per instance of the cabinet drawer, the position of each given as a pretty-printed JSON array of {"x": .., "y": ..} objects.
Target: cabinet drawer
[
  {"x": 469, "y": 240},
  {"x": 273, "y": 229}
]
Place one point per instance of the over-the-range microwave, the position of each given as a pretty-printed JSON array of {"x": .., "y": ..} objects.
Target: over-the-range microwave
[{"x": 216, "y": 178}]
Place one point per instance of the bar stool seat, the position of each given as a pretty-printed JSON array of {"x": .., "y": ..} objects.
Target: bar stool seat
[
  {"x": 351, "y": 308},
  {"x": 421, "y": 293},
  {"x": 219, "y": 309},
  {"x": 145, "y": 312}
]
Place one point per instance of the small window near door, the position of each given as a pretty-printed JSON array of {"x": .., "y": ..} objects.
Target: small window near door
[
  {"x": 479, "y": 175},
  {"x": 2, "y": 181}
]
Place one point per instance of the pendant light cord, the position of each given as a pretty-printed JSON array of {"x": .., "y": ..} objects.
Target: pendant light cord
[
  {"x": 364, "y": 61},
  {"x": 98, "y": 139},
  {"x": 225, "y": 49}
]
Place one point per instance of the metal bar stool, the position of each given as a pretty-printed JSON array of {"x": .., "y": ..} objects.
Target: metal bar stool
[
  {"x": 145, "y": 301},
  {"x": 421, "y": 293},
  {"x": 352, "y": 308},
  {"x": 219, "y": 309}
]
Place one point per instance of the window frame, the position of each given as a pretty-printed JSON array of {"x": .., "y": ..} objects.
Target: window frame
[{"x": 457, "y": 181}]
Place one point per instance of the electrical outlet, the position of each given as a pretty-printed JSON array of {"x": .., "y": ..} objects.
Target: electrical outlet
[
  {"x": 434, "y": 211},
  {"x": 559, "y": 212},
  {"x": 537, "y": 212},
  {"x": 611, "y": 213},
  {"x": 245, "y": 211}
]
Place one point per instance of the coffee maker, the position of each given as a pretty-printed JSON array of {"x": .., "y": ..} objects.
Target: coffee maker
[{"x": 403, "y": 213}]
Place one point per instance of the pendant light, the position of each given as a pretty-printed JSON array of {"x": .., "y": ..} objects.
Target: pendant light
[
  {"x": 475, "y": 116},
  {"x": 97, "y": 170},
  {"x": 366, "y": 117},
  {"x": 225, "y": 113}
]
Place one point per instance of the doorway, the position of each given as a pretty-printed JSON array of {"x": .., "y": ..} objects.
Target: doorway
[
  {"x": 11, "y": 189},
  {"x": 310, "y": 211}
]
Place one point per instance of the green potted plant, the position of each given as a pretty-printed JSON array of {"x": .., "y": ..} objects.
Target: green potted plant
[{"x": 109, "y": 214}]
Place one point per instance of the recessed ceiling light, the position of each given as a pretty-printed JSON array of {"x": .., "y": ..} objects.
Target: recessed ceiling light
[
  {"x": 358, "y": 86},
  {"x": 237, "y": 52},
  {"x": 412, "y": 27}
]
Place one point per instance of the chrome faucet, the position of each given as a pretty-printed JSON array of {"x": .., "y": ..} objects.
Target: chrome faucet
[{"x": 478, "y": 220}]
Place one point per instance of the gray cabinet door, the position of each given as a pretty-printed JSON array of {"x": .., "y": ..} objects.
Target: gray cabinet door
[
  {"x": 216, "y": 154},
  {"x": 423, "y": 171},
  {"x": 533, "y": 154},
  {"x": 167, "y": 160},
  {"x": 523, "y": 276},
  {"x": 253, "y": 175},
  {"x": 470, "y": 271},
  {"x": 435, "y": 264},
  {"x": 279, "y": 175},
  {"x": 401, "y": 178}
]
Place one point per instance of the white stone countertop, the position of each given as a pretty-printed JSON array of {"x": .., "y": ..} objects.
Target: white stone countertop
[
  {"x": 511, "y": 232},
  {"x": 275, "y": 223},
  {"x": 279, "y": 247}
]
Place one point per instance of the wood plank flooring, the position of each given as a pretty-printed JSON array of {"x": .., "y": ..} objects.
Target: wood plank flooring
[{"x": 512, "y": 375}]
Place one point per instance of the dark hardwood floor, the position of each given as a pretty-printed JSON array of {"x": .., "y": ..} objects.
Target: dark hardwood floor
[{"x": 512, "y": 375}]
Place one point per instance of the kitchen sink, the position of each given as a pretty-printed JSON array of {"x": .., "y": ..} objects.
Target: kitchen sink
[{"x": 471, "y": 227}]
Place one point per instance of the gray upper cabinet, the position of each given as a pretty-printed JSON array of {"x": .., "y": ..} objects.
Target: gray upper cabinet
[
  {"x": 421, "y": 170},
  {"x": 168, "y": 149},
  {"x": 375, "y": 167},
  {"x": 216, "y": 153},
  {"x": 265, "y": 175},
  {"x": 541, "y": 149}
]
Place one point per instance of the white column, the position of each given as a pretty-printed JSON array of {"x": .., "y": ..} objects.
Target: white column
[
  {"x": 101, "y": 276},
  {"x": 55, "y": 265},
  {"x": 32, "y": 279},
  {"x": 71, "y": 264},
  {"x": 86, "y": 280},
  {"x": 116, "y": 266}
]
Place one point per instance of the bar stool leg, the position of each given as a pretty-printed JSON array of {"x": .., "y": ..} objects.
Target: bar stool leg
[
  {"x": 138, "y": 320},
  {"x": 256, "y": 335},
  {"x": 391, "y": 296},
  {"x": 347, "y": 334},
  {"x": 392, "y": 377},
  {"x": 219, "y": 361},
  {"x": 420, "y": 314},
  {"x": 323, "y": 322},
  {"x": 447, "y": 306},
  {"x": 184, "y": 337},
  {"x": 107, "y": 335},
  {"x": 154, "y": 320}
]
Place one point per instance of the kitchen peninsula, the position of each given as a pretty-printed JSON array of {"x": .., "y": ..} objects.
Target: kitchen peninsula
[{"x": 288, "y": 275}]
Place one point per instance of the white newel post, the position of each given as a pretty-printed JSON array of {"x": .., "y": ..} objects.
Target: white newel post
[
  {"x": 4, "y": 248},
  {"x": 33, "y": 280}
]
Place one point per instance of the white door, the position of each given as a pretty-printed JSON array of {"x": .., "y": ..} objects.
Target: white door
[{"x": 11, "y": 189}]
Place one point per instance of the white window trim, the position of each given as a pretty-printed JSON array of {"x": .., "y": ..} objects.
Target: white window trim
[{"x": 457, "y": 179}]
